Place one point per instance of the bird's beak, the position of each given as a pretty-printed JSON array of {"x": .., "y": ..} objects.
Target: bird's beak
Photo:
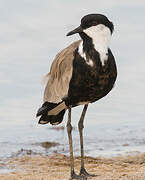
[{"x": 77, "y": 30}]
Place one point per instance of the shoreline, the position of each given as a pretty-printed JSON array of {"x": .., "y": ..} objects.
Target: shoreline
[{"x": 56, "y": 167}]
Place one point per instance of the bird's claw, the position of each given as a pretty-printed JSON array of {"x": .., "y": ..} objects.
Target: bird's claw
[
  {"x": 79, "y": 177},
  {"x": 83, "y": 172}
]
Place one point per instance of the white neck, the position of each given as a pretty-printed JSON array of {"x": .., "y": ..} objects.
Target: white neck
[{"x": 101, "y": 36}]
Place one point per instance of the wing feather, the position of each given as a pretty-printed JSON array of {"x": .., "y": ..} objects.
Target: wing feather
[{"x": 60, "y": 75}]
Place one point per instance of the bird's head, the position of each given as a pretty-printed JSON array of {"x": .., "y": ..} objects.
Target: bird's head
[{"x": 92, "y": 24}]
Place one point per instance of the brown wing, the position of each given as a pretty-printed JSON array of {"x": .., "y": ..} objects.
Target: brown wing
[{"x": 60, "y": 75}]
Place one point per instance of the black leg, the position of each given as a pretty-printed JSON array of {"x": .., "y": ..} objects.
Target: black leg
[
  {"x": 69, "y": 130},
  {"x": 83, "y": 172}
]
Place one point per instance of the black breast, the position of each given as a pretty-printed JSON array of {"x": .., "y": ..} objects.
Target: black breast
[{"x": 90, "y": 83}]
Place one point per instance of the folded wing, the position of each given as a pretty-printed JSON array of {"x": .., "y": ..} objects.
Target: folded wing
[{"x": 60, "y": 75}]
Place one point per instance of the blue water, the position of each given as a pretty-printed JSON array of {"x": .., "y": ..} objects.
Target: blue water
[{"x": 31, "y": 34}]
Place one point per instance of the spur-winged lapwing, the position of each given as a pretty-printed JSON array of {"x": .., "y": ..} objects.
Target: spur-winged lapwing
[{"x": 82, "y": 73}]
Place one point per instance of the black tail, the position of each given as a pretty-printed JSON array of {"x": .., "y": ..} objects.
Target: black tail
[{"x": 52, "y": 119}]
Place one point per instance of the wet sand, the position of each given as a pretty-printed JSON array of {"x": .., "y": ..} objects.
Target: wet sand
[{"x": 56, "y": 167}]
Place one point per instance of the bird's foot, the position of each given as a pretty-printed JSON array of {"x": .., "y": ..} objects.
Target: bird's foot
[
  {"x": 79, "y": 177},
  {"x": 83, "y": 172}
]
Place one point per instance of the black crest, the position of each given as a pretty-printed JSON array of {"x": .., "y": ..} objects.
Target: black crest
[{"x": 95, "y": 19}]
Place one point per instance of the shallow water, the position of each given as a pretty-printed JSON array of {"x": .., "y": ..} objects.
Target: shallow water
[
  {"x": 105, "y": 139},
  {"x": 31, "y": 35}
]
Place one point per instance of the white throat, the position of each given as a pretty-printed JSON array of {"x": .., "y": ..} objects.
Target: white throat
[{"x": 101, "y": 36}]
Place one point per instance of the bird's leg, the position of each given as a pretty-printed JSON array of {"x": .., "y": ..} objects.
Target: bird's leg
[
  {"x": 69, "y": 130},
  {"x": 81, "y": 126}
]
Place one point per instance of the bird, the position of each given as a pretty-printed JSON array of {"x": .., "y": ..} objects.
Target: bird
[{"x": 80, "y": 74}]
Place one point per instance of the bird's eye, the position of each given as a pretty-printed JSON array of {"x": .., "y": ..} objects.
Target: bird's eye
[
  {"x": 94, "y": 23},
  {"x": 88, "y": 24}
]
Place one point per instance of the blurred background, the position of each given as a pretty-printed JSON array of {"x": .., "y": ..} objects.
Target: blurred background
[{"x": 32, "y": 32}]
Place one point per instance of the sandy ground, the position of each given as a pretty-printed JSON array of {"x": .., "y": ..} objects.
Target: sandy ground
[{"x": 56, "y": 167}]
